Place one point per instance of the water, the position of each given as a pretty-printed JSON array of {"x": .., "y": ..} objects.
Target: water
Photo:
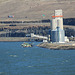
[{"x": 16, "y": 60}]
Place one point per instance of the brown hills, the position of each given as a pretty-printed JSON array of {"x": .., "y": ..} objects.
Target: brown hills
[{"x": 35, "y": 9}]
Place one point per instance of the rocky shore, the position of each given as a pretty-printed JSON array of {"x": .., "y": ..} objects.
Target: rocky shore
[{"x": 58, "y": 46}]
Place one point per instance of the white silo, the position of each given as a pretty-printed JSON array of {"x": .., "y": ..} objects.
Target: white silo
[
  {"x": 58, "y": 35},
  {"x": 57, "y": 32},
  {"x": 54, "y": 24},
  {"x": 59, "y": 17}
]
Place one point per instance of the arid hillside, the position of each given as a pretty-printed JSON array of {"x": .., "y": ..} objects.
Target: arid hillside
[{"x": 35, "y": 9}]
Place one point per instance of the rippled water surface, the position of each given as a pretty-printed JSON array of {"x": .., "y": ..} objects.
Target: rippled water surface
[{"x": 16, "y": 60}]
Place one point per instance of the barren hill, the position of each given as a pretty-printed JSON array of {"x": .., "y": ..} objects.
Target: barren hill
[{"x": 36, "y": 9}]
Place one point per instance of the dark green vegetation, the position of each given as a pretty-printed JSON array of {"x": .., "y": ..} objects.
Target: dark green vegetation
[
  {"x": 69, "y": 21},
  {"x": 41, "y": 27}
]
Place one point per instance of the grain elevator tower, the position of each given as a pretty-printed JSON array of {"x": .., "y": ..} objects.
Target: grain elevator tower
[{"x": 57, "y": 32}]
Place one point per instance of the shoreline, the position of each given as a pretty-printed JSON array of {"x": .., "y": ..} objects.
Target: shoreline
[
  {"x": 53, "y": 46},
  {"x": 10, "y": 39},
  {"x": 13, "y": 39},
  {"x": 18, "y": 39},
  {"x": 58, "y": 46}
]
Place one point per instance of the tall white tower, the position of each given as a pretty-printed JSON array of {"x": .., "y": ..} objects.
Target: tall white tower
[
  {"x": 57, "y": 32},
  {"x": 57, "y": 20}
]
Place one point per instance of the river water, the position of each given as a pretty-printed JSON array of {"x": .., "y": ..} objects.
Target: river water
[{"x": 16, "y": 60}]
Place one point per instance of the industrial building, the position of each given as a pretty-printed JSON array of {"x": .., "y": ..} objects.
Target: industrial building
[{"x": 57, "y": 32}]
